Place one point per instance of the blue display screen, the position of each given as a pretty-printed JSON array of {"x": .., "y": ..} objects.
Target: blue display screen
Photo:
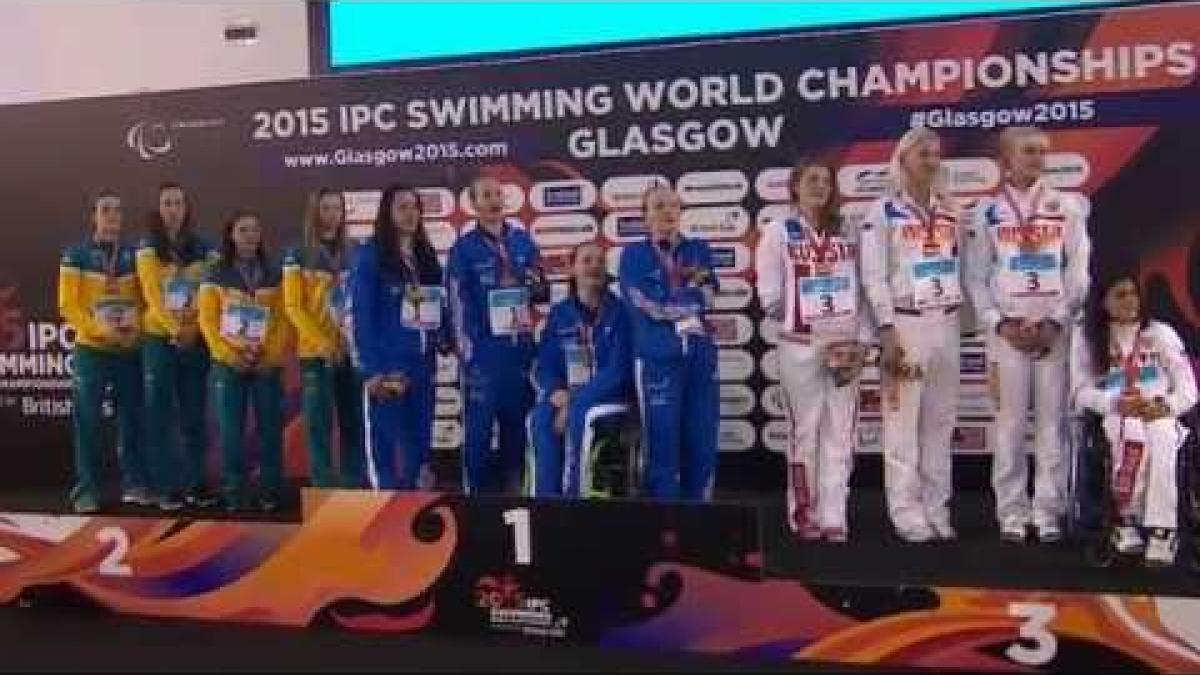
[{"x": 365, "y": 33}]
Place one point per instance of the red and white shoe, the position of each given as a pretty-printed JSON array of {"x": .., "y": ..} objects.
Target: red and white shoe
[
  {"x": 836, "y": 535},
  {"x": 809, "y": 532},
  {"x": 803, "y": 526}
]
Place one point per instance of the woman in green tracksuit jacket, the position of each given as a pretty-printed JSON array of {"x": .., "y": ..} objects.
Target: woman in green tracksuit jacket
[
  {"x": 171, "y": 262},
  {"x": 98, "y": 297},
  {"x": 316, "y": 301}
]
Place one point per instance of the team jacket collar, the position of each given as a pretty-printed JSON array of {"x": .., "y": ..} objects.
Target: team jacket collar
[
  {"x": 506, "y": 229},
  {"x": 1026, "y": 199},
  {"x": 600, "y": 313},
  {"x": 676, "y": 241},
  {"x": 106, "y": 246}
]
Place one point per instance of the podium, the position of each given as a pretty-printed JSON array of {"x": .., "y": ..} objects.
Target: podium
[{"x": 623, "y": 574}]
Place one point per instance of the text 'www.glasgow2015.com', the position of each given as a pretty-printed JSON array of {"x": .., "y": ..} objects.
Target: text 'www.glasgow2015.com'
[{"x": 417, "y": 153}]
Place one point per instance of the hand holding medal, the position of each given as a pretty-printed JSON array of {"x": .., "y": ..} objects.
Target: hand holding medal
[
  {"x": 696, "y": 276},
  {"x": 390, "y": 385},
  {"x": 845, "y": 360},
  {"x": 187, "y": 336}
]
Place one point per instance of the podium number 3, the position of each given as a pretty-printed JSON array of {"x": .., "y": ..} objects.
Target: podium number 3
[
  {"x": 1038, "y": 645},
  {"x": 522, "y": 545},
  {"x": 113, "y": 564}
]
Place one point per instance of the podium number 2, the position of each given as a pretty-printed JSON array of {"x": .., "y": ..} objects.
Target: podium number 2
[
  {"x": 522, "y": 545},
  {"x": 1034, "y": 629},
  {"x": 112, "y": 564}
]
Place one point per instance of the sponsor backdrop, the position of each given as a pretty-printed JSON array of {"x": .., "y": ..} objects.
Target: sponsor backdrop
[{"x": 577, "y": 138}]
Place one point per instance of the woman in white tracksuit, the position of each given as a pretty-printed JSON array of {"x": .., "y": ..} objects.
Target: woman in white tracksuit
[
  {"x": 1027, "y": 272},
  {"x": 910, "y": 269},
  {"x": 807, "y": 281},
  {"x": 1135, "y": 373}
]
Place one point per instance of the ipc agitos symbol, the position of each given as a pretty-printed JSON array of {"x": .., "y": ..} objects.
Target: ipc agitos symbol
[{"x": 149, "y": 139}]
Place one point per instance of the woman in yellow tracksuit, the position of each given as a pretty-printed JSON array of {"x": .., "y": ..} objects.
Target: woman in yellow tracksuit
[
  {"x": 171, "y": 263},
  {"x": 241, "y": 318},
  {"x": 98, "y": 297},
  {"x": 316, "y": 301}
]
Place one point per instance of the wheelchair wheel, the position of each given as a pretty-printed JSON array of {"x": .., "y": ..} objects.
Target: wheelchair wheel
[
  {"x": 1099, "y": 552},
  {"x": 635, "y": 461},
  {"x": 606, "y": 470}
]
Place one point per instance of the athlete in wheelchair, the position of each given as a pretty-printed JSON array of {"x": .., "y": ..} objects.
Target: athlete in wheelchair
[
  {"x": 1134, "y": 388},
  {"x": 581, "y": 427}
]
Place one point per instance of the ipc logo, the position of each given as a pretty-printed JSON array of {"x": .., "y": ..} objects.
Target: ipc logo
[{"x": 149, "y": 139}]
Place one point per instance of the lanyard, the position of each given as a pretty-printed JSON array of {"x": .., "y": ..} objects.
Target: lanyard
[
  {"x": 586, "y": 344},
  {"x": 110, "y": 267},
  {"x": 497, "y": 246},
  {"x": 175, "y": 250},
  {"x": 1129, "y": 364},
  {"x": 414, "y": 293},
  {"x": 822, "y": 247},
  {"x": 250, "y": 281},
  {"x": 333, "y": 261},
  {"x": 1024, "y": 226},
  {"x": 408, "y": 266},
  {"x": 587, "y": 328},
  {"x": 925, "y": 217},
  {"x": 667, "y": 258},
  {"x": 179, "y": 248}
]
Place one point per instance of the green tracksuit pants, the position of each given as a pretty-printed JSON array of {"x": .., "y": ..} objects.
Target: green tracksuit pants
[
  {"x": 326, "y": 390},
  {"x": 95, "y": 373},
  {"x": 233, "y": 391},
  {"x": 174, "y": 394}
]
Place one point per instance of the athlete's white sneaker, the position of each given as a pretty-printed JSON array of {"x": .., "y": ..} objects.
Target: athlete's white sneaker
[
  {"x": 138, "y": 496},
  {"x": 942, "y": 529},
  {"x": 836, "y": 535},
  {"x": 1014, "y": 530},
  {"x": 918, "y": 534},
  {"x": 1128, "y": 540},
  {"x": 1049, "y": 533},
  {"x": 809, "y": 532},
  {"x": 1160, "y": 551}
]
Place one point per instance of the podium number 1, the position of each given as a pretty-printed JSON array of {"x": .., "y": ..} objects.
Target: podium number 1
[{"x": 519, "y": 520}]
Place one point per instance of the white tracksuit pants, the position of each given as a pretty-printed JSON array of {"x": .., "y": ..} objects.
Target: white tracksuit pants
[
  {"x": 1144, "y": 456},
  {"x": 1017, "y": 375},
  {"x": 821, "y": 453},
  {"x": 918, "y": 422}
]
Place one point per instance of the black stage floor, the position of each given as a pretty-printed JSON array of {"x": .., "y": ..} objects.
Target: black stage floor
[
  {"x": 68, "y": 640},
  {"x": 874, "y": 556}
]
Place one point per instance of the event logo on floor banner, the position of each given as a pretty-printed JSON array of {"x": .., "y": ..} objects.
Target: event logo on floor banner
[
  {"x": 577, "y": 138},
  {"x": 684, "y": 578}
]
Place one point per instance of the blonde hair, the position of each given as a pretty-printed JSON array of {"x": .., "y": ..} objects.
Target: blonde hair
[
  {"x": 1008, "y": 139},
  {"x": 312, "y": 217},
  {"x": 898, "y": 175},
  {"x": 655, "y": 185}
]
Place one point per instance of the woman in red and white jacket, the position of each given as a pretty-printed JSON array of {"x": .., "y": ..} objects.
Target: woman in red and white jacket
[
  {"x": 911, "y": 243},
  {"x": 1135, "y": 373},
  {"x": 807, "y": 282}
]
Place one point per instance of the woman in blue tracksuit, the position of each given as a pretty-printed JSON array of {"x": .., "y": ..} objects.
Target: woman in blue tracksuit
[
  {"x": 582, "y": 375},
  {"x": 493, "y": 277},
  {"x": 668, "y": 284},
  {"x": 398, "y": 307}
]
